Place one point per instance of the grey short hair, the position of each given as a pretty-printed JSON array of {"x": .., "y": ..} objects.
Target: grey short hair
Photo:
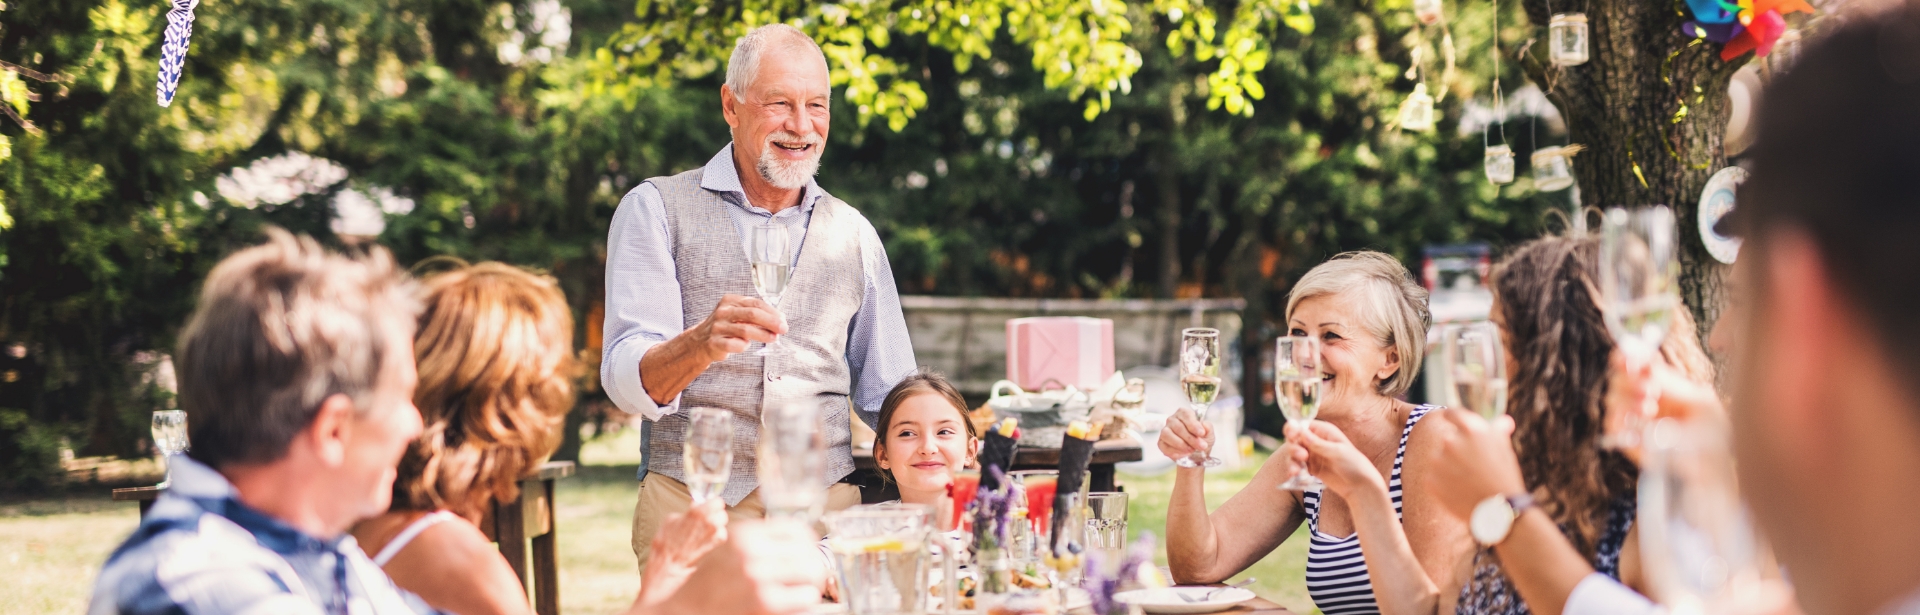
[
  {"x": 744, "y": 65},
  {"x": 280, "y": 328},
  {"x": 1391, "y": 306}
]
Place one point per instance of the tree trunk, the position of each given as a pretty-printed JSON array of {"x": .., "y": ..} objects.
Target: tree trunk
[
  {"x": 1644, "y": 74},
  {"x": 1167, "y": 217}
]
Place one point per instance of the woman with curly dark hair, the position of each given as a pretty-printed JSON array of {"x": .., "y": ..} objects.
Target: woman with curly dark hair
[{"x": 1565, "y": 376}]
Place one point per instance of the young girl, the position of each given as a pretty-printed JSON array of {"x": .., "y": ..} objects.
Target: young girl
[{"x": 924, "y": 438}]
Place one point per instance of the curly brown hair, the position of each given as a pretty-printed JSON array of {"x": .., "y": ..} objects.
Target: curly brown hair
[
  {"x": 1546, "y": 295},
  {"x": 495, "y": 349}
]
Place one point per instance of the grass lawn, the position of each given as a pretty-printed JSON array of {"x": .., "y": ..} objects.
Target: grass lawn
[{"x": 53, "y": 546}]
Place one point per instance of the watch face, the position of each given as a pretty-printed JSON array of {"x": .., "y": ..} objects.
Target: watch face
[{"x": 1491, "y": 519}]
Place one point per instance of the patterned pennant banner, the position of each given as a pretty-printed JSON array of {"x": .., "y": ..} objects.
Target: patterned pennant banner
[{"x": 173, "y": 53}]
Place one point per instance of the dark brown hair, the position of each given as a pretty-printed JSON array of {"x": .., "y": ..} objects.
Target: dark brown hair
[
  {"x": 495, "y": 350},
  {"x": 923, "y": 382},
  {"x": 1547, "y": 298},
  {"x": 280, "y": 328}
]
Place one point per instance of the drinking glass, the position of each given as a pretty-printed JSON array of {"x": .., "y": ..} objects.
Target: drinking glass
[
  {"x": 169, "y": 438},
  {"x": 1107, "y": 523},
  {"x": 1699, "y": 545},
  {"x": 1476, "y": 365},
  {"x": 1200, "y": 375},
  {"x": 770, "y": 252},
  {"x": 708, "y": 452},
  {"x": 1296, "y": 386},
  {"x": 1639, "y": 288},
  {"x": 793, "y": 461},
  {"x": 1037, "y": 488},
  {"x": 883, "y": 554}
]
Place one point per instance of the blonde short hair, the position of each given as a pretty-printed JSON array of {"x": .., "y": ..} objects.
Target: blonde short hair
[
  {"x": 281, "y": 327},
  {"x": 1390, "y": 304}
]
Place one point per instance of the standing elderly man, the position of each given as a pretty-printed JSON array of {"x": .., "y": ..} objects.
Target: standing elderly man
[{"x": 680, "y": 304}]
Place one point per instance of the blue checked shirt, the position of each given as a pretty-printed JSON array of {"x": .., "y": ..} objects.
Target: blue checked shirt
[
  {"x": 643, "y": 295},
  {"x": 201, "y": 551}
]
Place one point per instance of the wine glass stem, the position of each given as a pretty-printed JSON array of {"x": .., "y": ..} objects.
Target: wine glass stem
[{"x": 1200, "y": 414}]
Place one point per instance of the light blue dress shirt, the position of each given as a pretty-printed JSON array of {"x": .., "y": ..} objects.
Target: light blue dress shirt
[{"x": 643, "y": 305}]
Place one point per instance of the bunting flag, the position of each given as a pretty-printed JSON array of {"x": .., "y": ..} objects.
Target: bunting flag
[{"x": 173, "y": 53}]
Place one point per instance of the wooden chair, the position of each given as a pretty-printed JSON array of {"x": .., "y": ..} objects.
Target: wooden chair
[{"x": 524, "y": 528}]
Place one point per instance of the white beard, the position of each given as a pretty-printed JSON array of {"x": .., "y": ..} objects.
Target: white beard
[{"x": 786, "y": 175}]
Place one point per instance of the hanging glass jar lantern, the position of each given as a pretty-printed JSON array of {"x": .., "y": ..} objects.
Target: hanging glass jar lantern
[
  {"x": 1552, "y": 169},
  {"x": 1417, "y": 112},
  {"x": 1499, "y": 164},
  {"x": 1427, "y": 11},
  {"x": 1567, "y": 39}
]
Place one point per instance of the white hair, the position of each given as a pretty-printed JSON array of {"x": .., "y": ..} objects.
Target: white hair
[
  {"x": 1392, "y": 306},
  {"x": 744, "y": 66}
]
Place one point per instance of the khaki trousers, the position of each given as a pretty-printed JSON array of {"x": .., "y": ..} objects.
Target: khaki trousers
[{"x": 661, "y": 496}]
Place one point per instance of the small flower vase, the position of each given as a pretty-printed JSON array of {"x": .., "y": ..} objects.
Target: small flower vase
[
  {"x": 996, "y": 571},
  {"x": 1567, "y": 39},
  {"x": 1552, "y": 169},
  {"x": 1499, "y": 164},
  {"x": 1427, "y": 11},
  {"x": 1417, "y": 112}
]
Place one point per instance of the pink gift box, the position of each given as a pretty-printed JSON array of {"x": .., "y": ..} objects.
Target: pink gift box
[{"x": 1072, "y": 350}]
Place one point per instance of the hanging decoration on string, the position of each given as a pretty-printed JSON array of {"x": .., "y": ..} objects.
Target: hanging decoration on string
[
  {"x": 1553, "y": 167},
  {"x": 1567, "y": 39},
  {"x": 173, "y": 53},
  {"x": 1499, "y": 158},
  {"x": 1749, "y": 25},
  {"x": 1416, "y": 112}
]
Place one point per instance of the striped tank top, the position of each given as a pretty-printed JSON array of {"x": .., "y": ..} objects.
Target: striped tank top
[{"x": 1336, "y": 572}]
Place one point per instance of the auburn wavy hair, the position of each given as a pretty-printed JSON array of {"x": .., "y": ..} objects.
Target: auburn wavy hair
[
  {"x": 495, "y": 350},
  {"x": 1546, "y": 292}
]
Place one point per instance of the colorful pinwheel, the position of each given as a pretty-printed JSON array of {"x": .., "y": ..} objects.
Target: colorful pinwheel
[
  {"x": 173, "y": 52},
  {"x": 1748, "y": 25}
]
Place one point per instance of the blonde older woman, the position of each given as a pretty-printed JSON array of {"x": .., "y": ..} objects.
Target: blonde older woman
[{"x": 1375, "y": 547}]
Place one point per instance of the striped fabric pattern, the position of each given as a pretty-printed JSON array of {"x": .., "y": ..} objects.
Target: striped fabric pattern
[{"x": 1336, "y": 571}]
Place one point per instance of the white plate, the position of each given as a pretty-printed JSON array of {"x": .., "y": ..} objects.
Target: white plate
[{"x": 1167, "y": 599}]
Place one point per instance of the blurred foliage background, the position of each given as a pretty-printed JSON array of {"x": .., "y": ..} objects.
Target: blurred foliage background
[{"x": 1048, "y": 148}]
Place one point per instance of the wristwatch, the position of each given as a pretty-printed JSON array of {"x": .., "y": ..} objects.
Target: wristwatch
[{"x": 1493, "y": 517}]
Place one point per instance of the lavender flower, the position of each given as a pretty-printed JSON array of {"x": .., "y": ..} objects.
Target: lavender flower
[
  {"x": 992, "y": 512},
  {"x": 1103, "y": 587}
]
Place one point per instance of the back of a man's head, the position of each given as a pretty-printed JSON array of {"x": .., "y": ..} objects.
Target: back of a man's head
[
  {"x": 1838, "y": 157},
  {"x": 280, "y": 327}
]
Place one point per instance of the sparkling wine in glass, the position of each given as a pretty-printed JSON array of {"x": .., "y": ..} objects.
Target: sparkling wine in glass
[
  {"x": 771, "y": 252},
  {"x": 1200, "y": 375},
  {"x": 1639, "y": 287},
  {"x": 1296, "y": 386},
  {"x": 1476, "y": 365},
  {"x": 1698, "y": 543},
  {"x": 707, "y": 454},
  {"x": 169, "y": 438},
  {"x": 793, "y": 461}
]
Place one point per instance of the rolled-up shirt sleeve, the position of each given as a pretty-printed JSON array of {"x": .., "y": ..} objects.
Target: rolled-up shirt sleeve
[
  {"x": 643, "y": 299},
  {"x": 1599, "y": 594},
  {"x": 879, "y": 353}
]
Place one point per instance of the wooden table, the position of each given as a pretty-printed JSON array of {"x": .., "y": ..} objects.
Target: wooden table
[
  {"x": 1099, "y": 474},
  {"x": 524, "y": 528}
]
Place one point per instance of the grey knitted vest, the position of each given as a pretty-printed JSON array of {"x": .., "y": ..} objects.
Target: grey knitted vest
[{"x": 825, "y": 292}]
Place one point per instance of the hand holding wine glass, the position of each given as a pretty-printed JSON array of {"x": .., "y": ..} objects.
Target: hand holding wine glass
[
  {"x": 1296, "y": 386},
  {"x": 707, "y": 453},
  {"x": 770, "y": 250},
  {"x": 1639, "y": 286},
  {"x": 1200, "y": 376}
]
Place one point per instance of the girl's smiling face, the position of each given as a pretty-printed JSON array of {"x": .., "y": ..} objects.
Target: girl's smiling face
[
  {"x": 925, "y": 443},
  {"x": 1353, "y": 361}
]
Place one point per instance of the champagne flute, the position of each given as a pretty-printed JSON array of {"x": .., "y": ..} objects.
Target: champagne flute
[
  {"x": 1639, "y": 287},
  {"x": 1476, "y": 365},
  {"x": 707, "y": 453},
  {"x": 169, "y": 438},
  {"x": 1296, "y": 385},
  {"x": 1200, "y": 375},
  {"x": 1698, "y": 544},
  {"x": 793, "y": 461},
  {"x": 770, "y": 252}
]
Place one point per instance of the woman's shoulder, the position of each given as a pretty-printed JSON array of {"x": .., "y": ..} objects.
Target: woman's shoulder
[{"x": 1425, "y": 436}]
